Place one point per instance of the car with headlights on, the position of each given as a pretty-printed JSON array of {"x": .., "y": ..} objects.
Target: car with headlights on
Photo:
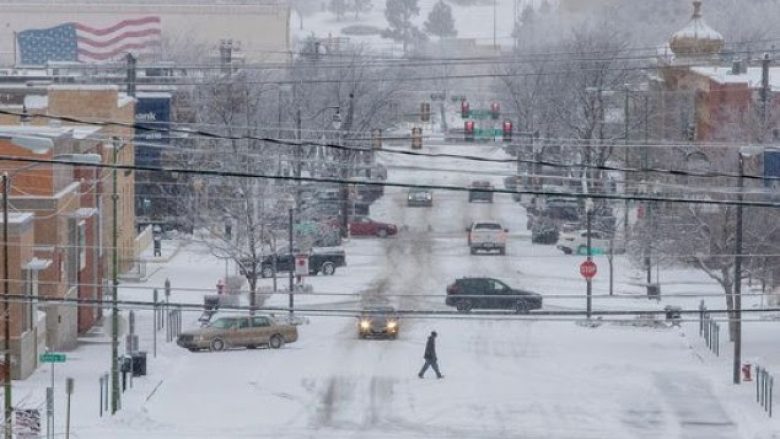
[
  {"x": 378, "y": 322},
  {"x": 239, "y": 331},
  {"x": 419, "y": 197}
]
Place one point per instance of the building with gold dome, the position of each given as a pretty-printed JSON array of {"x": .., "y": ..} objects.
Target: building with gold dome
[
  {"x": 697, "y": 40},
  {"x": 708, "y": 94}
]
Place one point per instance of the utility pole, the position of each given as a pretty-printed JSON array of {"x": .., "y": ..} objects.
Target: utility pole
[
  {"x": 494, "y": 24},
  {"x": 589, "y": 283},
  {"x": 131, "y": 74},
  {"x": 9, "y": 410},
  {"x": 625, "y": 180},
  {"x": 514, "y": 21},
  {"x": 292, "y": 262},
  {"x": 649, "y": 204},
  {"x": 737, "y": 317},
  {"x": 298, "y": 157},
  {"x": 226, "y": 56},
  {"x": 765, "y": 61},
  {"x": 115, "y": 278}
]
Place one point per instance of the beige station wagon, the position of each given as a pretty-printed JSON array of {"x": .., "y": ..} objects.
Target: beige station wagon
[{"x": 239, "y": 331}]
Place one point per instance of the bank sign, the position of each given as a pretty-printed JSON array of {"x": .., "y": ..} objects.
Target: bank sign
[
  {"x": 772, "y": 169},
  {"x": 152, "y": 111}
]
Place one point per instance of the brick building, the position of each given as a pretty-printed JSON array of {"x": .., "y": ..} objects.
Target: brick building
[
  {"x": 63, "y": 227},
  {"x": 27, "y": 329},
  {"x": 704, "y": 101},
  {"x": 96, "y": 103}
]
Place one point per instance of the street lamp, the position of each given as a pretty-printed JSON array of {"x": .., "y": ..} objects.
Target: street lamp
[{"x": 747, "y": 151}]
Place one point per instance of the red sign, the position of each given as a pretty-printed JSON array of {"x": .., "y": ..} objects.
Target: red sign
[
  {"x": 468, "y": 126},
  {"x": 507, "y": 126},
  {"x": 588, "y": 270},
  {"x": 302, "y": 265}
]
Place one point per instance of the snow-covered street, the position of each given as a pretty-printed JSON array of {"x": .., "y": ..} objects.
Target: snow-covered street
[{"x": 504, "y": 377}]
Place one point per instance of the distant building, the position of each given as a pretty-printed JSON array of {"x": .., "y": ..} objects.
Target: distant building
[
  {"x": 705, "y": 100},
  {"x": 261, "y": 28},
  {"x": 579, "y": 6}
]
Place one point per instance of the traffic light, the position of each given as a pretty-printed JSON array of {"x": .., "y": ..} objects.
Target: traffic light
[
  {"x": 465, "y": 110},
  {"x": 425, "y": 112},
  {"x": 495, "y": 110},
  {"x": 468, "y": 130},
  {"x": 416, "y": 138},
  {"x": 506, "y": 129}
]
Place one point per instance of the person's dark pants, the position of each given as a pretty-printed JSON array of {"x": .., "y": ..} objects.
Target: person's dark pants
[{"x": 432, "y": 364}]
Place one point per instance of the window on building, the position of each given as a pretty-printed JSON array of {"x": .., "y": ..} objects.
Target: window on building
[
  {"x": 100, "y": 226},
  {"x": 82, "y": 239},
  {"x": 31, "y": 293}
]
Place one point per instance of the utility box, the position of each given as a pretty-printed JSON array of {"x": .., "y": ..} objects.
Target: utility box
[
  {"x": 138, "y": 363},
  {"x": 654, "y": 291},
  {"x": 673, "y": 314}
]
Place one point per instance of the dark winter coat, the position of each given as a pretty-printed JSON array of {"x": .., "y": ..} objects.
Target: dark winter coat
[{"x": 430, "y": 349}]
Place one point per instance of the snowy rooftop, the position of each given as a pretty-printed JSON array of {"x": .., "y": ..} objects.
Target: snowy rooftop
[
  {"x": 36, "y": 102},
  {"x": 724, "y": 75},
  {"x": 18, "y": 217},
  {"x": 84, "y": 87},
  {"x": 79, "y": 132}
]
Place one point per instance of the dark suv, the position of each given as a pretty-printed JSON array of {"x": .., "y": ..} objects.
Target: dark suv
[
  {"x": 481, "y": 191},
  {"x": 487, "y": 293}
]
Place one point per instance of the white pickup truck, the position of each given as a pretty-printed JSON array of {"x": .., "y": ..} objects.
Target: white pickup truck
[{"x": 487, "y": 236}]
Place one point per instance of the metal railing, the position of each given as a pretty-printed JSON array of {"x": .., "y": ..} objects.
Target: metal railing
[
  {"x": 174, "y": 324},
  {"x": 709, "y": 329},
  {"x": 764, "y": 388}
]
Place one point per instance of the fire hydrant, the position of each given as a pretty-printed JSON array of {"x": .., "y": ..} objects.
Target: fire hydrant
[{"x": 746, "y": 372}]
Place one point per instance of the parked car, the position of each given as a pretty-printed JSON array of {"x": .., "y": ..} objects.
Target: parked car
[
  {"x": 239, "y": 331},
  {"x": 378, "y": 321},
  {"x": 577, "y": 242},
  {"x": 481, "y": 191},
  {"x": 512, "y": 183},
  {"x": 470, "y": 293},
  {"x": 321, "y": 260},
  {"x": 544, "y": 232},
  {"x": 487, "y": 236},
  {"x": 365, "y": 226},
  {"x": 419, "y": 197}
]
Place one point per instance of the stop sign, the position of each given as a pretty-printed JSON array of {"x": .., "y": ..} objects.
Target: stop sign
[
  {"x": 588, "y": 269},
  {"x": 302, "y": 265}
]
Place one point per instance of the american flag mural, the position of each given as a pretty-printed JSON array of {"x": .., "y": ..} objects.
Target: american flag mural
[{"x": 79, "y": 42}]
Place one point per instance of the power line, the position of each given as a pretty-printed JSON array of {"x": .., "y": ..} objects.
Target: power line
[
  {"x": 328, "y": 309},
  {"x": 575, "y": 195},
  {"x": 211, "y": 135}
]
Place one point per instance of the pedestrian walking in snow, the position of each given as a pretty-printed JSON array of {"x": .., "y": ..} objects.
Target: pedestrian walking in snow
[{"x": 430, "y": 357}]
